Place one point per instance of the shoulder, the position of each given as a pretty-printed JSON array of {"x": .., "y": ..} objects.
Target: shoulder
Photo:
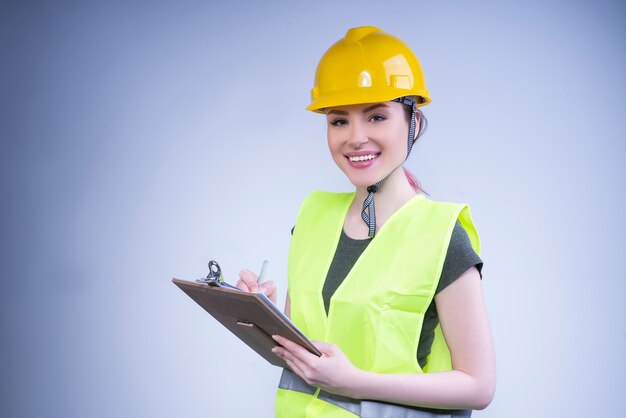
[
  {"x": 320, "y": 196},
  {"x": 442, "y": 205},
  {"x": 322, "y": 208},
  {"x": 461, "y": 227},
  {"x": 428, "y": 207},
  {"x": 460, "y": 257},
  {"x": 461, "y": 250},
  {"x": 320, "y": 200}
]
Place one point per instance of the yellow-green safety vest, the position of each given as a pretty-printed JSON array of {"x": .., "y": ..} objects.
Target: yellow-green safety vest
[{"x": 376, "y": 314}]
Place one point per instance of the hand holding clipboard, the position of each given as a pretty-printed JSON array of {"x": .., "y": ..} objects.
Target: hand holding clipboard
[{"x": 252, "y": 317}]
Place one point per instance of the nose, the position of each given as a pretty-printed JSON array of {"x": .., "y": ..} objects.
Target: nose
[{"x": 358, "y": 135}]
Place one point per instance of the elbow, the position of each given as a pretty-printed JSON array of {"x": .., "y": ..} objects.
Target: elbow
[
  {"x": 484, "y": 401},
  {"x": 484, "y": 395}
]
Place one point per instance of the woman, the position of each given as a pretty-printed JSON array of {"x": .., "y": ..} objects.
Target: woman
[{"x": 385, "y": 280}]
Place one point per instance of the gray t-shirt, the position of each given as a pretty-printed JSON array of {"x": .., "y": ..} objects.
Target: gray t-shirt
[{"x": 459, "y": 258}]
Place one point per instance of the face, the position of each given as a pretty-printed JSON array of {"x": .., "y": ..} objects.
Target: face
[{"x": 368, "y": 141}]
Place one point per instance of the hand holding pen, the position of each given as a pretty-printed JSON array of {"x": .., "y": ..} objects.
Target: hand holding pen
[{"x": 250, "y": 282}]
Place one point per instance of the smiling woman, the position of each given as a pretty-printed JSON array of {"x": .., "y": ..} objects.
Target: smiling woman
[
  {"x": 390, "y": 292},
  {"x": 368, "y": 142}
]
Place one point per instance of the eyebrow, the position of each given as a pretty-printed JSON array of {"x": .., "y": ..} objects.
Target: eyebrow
[{"x": 367, "y": 109}]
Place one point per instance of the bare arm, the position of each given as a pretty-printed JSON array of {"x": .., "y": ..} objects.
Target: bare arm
[{"x": 470, "y": 385}]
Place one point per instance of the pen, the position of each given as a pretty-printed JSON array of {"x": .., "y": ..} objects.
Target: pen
[{"x": 263, "y": 271}]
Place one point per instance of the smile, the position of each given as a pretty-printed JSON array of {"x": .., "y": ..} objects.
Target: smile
[{"x": 357, "y": 158}]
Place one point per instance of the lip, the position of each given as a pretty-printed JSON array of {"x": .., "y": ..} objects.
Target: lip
[{"x": 364, "y": 163}]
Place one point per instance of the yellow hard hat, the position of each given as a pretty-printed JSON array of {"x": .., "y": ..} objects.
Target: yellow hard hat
[{"x": 367, "y": 66}]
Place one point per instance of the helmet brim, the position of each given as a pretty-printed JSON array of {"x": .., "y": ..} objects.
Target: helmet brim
[{"x": 366, "y": 95}]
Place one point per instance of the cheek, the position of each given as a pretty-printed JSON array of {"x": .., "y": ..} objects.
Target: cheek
[
  {"x": 401, "y": 140},
  {"x": 334, "y": 146},
  {"x": 333, "y": 141}
]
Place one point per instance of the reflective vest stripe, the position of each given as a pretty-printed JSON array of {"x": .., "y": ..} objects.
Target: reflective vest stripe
[
  {"x": 343, "y": 402},
  {"x": 364, "y": 409},
  {"x": 291, "y": 381}
]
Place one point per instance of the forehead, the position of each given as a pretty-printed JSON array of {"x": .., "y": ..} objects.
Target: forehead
[{"x": 363, "y": 108}]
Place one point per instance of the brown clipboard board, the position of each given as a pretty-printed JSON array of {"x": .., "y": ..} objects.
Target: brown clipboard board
[{"x": 252, "y": 317}]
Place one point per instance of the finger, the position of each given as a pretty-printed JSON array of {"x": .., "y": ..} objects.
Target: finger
[
  {"x": 290, "y": 360},
  {"x": 293, "y": 366},
  {"x": 250, "y": 279},
  {"x": 296, "y": 349},
  {"x": 268, "y": 287},
  {"x": 242, "y": 285}
]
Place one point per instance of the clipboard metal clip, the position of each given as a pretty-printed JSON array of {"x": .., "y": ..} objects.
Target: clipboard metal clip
[{"x": 215, "y": 277}]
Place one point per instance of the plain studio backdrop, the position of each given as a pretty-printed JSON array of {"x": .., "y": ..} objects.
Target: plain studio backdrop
[{"x": 142, "y": 139}]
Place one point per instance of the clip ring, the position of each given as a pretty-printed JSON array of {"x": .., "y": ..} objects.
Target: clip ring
[
  {"x": 214, "y": 278},
  {"x": 215, "y": 272},
  {"x": 215, "y": 275}
]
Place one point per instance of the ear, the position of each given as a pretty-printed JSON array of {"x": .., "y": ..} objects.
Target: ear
[{"x": 418, "y": 117}]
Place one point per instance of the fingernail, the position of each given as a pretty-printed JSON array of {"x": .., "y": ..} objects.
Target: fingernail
[
  {"x": 274, "y": 350},
  {"x": 275, "y": 337}
]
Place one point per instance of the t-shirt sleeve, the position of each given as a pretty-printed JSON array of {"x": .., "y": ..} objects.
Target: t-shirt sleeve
[{"x": 459, "y": 258}]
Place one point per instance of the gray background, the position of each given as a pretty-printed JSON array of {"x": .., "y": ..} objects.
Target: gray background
[{"x": 141, "y": 140}]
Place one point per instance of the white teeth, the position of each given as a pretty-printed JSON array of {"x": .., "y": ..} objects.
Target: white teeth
[{"x": 362, "y": 158}]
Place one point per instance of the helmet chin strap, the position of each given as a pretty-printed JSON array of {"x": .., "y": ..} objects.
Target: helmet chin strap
[{"x": 368, "y": 213}]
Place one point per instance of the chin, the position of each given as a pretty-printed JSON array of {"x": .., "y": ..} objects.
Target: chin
[
  {"x": 361, "y": 178},
  {"x": 361, "y": 182}
]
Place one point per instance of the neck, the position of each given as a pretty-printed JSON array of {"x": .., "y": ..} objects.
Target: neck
[{"x": 392, "y": 194}]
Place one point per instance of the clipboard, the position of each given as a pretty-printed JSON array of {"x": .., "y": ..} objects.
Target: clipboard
[{"x": 252, "y": 317}]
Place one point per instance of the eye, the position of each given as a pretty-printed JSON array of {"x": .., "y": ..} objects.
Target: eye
[
  {"x": 338, "y": 122},
  {"x": 377, "y": 118}
]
